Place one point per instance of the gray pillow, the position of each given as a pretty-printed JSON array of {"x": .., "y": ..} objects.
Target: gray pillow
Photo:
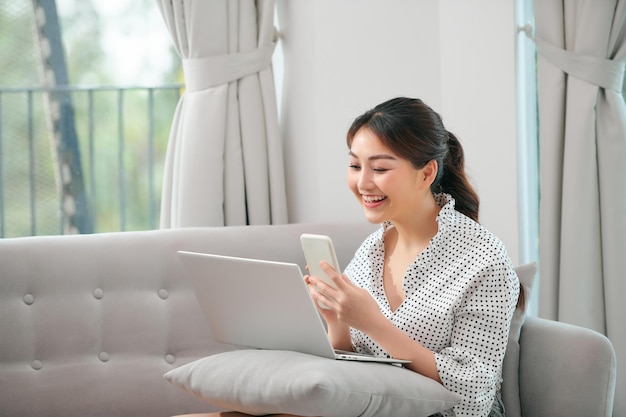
[
  {"x": 510, "y": 368},
  {"x": 260, "y": 382}
]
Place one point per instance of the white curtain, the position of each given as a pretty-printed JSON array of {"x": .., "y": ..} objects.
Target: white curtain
[
  {"x": 582, "y": 142},
  {"x": 224, "y": 163}
]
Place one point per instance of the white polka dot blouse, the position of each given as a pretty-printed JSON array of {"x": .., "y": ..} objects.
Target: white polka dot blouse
[{"x": 461, "y": 292}]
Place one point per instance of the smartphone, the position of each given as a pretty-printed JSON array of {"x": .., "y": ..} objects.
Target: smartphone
[{"x": 319, "y": 248}]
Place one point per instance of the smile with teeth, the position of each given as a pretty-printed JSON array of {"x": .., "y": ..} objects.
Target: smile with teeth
[{"x": 373, "y": 199}]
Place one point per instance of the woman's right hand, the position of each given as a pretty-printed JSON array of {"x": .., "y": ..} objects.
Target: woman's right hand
[
  {"x": 313, "y": 283},
  {"x": 338, "y": 332}
]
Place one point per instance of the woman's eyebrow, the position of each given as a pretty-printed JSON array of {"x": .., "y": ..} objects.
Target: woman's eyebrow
[{"x": 375, "y": 157}]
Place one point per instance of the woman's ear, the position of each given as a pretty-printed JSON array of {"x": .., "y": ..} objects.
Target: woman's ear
[{"x": 430, "y": 172}]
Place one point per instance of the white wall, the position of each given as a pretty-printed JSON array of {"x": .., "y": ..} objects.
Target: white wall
[{"x": 343, "y": 57}]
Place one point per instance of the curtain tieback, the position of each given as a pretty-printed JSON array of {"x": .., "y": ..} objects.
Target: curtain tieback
[
  {"x": 211, "y": 71},
  {"x": 605, "y": 73}
]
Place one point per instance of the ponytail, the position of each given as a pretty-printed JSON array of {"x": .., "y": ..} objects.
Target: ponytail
[
  {"x": 452, "y": 180},
  {"x": 521, "y": 299}
]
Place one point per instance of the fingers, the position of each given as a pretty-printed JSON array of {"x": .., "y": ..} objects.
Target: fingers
[
  {"x": 322, "y": 302},
  {"x": 331, "y": 294},
  {"x": 321, "y": 292},
  {"x": 336, "y": 276}
]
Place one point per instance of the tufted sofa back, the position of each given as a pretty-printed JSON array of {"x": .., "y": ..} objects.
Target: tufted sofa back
[{"x": 90, "y": 323}]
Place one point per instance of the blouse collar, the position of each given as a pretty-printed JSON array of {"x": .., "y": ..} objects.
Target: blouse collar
[{"x": 445, "y": 217}]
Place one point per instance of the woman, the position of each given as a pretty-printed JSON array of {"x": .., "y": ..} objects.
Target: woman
[{"x": 431, "y": 285}]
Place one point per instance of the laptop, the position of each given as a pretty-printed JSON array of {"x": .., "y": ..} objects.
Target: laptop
[{"x": 261, "y": 304}]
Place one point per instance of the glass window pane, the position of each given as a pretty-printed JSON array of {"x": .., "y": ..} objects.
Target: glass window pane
[{"x": 86, "y": 103}]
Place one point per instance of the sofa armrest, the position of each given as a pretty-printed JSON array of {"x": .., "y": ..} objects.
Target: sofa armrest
[{"x": 565, "y": 370}]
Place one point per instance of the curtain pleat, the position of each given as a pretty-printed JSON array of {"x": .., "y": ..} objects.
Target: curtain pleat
[
  {"x": 582, "y": 137},
  {"x": 224, "y": 162}
]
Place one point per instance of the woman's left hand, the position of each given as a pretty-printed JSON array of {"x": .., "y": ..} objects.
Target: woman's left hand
[{"x": 352, "y": 305}]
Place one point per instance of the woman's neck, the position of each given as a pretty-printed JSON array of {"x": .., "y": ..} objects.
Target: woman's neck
[{"x": 416, "y": 231}]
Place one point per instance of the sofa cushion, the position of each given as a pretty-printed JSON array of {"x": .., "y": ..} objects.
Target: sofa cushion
[
  {"x": 510, "y": 368},
  {"x": 260, "y": 382}
]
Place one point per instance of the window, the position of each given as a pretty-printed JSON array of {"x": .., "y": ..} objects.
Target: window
[
  {"x": 528, "y": 146},
  {"x": 86, "y": 103}
]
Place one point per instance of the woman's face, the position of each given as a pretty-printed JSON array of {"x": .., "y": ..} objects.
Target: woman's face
[{"x": 387, "y": 186}]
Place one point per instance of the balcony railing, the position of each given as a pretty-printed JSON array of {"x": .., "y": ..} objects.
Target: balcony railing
[{"x": 93, "y": 154}]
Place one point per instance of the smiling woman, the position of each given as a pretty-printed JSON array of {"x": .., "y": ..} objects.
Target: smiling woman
[
  {"x": 383, "y": 182},
  {"x": 414, "y": 288},
  {"x": 416, "y": 134}
]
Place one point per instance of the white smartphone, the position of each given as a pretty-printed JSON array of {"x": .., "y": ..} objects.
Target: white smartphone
[{"x": 319, "y": 248}]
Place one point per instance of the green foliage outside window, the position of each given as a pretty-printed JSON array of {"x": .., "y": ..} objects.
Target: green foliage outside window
[{"x": 122, "y": 134}]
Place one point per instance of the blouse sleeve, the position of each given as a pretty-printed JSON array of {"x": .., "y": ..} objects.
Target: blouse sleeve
[{"x": 472, "y": 365}]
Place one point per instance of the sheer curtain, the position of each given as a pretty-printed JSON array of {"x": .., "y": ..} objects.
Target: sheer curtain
[
  {"x": 224, "y": 162},
  {"x": 582, "y": 141}
]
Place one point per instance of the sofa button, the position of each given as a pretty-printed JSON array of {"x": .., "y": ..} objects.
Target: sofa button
[
  {"x": 98, "y": 293},
  {"x": 29, "y": 299},
  {"x": 36, "y": 364},
  {"x": 103, "y": 356},
  {"x": 163, "y": 294},
  {"x": 169, "y": 358}
]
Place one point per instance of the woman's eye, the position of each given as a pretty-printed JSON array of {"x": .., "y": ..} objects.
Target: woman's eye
[
  {"x": 381, "y": 169},
  {"x": 354, "y": 166}
]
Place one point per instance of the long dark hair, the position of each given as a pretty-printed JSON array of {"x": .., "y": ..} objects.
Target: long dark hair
[{"x": 415, "y": 132}]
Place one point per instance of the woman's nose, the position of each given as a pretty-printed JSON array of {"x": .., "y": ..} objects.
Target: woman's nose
[{"x": 365, "y": 180}]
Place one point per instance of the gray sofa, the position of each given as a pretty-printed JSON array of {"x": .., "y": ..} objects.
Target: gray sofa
[{"x": 89, "y": 324}]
